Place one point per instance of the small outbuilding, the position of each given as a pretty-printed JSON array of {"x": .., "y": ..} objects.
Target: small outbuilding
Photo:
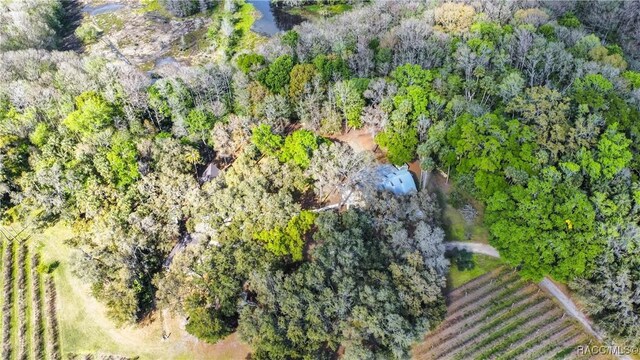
[{"x": 210, "y": 173}]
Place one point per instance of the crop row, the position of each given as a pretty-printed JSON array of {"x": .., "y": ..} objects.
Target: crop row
[
  {"x": 7, "y": 296},
  {"x": 471, "y": 298},
  {"x": 24, "y": 315},
  {"x": 36, "y": 305},
  {"x": 477, "y": 283},
  {"x": 501, "y": 318},
  {"x": 547, "y": 344},
  {"x": 490, "y": 328},
  {"x": 479, "y": 302},
  {"x": 461, "y": 319},
  {"x": 496, "y": 308},
  {"x": 497, "y": 341},
  {"x": 21, "y": 315},
  {"x": 52, "y": 320},
  {"x": 546, "y": 331}
]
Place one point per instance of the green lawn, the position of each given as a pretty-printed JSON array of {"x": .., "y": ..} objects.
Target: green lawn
[
  {"x": 457, "y": 229},
  {"x": 245, "y": 17},
  {"x": 85, "y": 329},
  {"x": 317, "y": 10},
  {"x": 483, "y": 264}
]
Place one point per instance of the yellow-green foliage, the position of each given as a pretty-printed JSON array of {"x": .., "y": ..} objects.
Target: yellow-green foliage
[
  {"x": 288, "y": 240},
  {"x": 452, "y": 17},
  {"x": 245, "y": 17},
  {"x": 92, "y": 113}
]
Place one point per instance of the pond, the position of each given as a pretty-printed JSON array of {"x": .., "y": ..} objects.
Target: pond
[
  {"x": 102, "y": 9},
  {"x": 274, "y": 18}
]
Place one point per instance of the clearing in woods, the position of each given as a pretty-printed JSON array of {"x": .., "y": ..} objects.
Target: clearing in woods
[
  {"x": 500, "y": 316},
  {"x": 85, "y": 330}
]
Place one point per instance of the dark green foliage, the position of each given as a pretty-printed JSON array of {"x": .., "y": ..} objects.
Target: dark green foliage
[
  {"x": 276, "y": 76},
  {"x": 400, "y": 142},
  {"x": 548, "y": 31},
  {"x": 546, "y": 227},
  {"x": 199, "y": 122},
  {"x": 633, "y": 77},
  {"x": 92, "y": 114},
  {"x": 331, "y": 67},
  {"x": 350, "y": 101},
  {"x": 462, "y": 259},
  {"x": 569, "y": 20},
  {"x": 288, "y": 240},
  {"x": 122, "y": 159},
  {"x": 301, "y": 77},
  {"x": 206, "y": 324},
  {"x": 290, "y": 38},
  {"x": 412, "y": 75},
  {"x": 210, "y": 301},
  {"x": 358, "y": 290},
  {"x": 592, "y": 91}
]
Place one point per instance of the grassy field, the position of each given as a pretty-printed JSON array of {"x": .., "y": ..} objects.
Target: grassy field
[
  {"x": 482, "y": 264},
  {"x": 458, "y": 229},
  {"x": 452, "y": 200},
  {"x": 84, "y": 328},
  {"x": 500, "y": 316},
  {"x": 245, "y": 17},
  {"x": 318, "y": 10}
]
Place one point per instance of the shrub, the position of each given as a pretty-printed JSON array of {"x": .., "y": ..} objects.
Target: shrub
[
  {"x": 248, "y": 62},
  {"x": 87, "y": 33}
]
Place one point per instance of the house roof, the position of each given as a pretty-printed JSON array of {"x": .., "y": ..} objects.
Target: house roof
[
  {"x": 397, "y": 180},
  {"x": 211, "y": 172}
]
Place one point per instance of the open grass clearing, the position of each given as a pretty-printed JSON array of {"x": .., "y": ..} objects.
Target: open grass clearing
[
  {"x": 85, "y": 329},
  {"x": 482, "y": 265},
  {"x": 453, "y": 202}
]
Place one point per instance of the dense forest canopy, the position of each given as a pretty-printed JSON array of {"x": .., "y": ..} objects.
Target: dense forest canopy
[{"x": 532, "y": 107}]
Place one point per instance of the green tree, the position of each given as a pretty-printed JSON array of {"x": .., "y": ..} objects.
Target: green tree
[
  {"x": 400, "y": 139},
  {"x": 199, "y": 122},
  {"x": 301, "y": 75},
  {"x": 265, "y": 140},
  {"x": 122, "y": 160},
  {"x": 613, "y": 152},
  {"x": 350, "y": 102},
  {"x": 299, "y": 146},
  {"x": 547, "y": 112},
  {"x": 547, "y": 228},
  {"x": 369, "y": 288},
  {"x": 92, "y": 114},
  {"x": 412, "y": 75},
  {"x": 248, "y": 62},
  {"x": 288, "y": 240},
  {"x": 331, "y": 67},
  {"x": 210, "y": 298},
  {"x": 276, "y": 76}
]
